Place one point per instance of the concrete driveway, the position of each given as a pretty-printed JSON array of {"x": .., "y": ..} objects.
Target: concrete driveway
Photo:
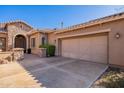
[{"x": 61, "y": 72}]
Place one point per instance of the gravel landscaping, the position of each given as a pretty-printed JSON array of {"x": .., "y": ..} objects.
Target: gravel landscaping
[{"x": 112, "y": 78}]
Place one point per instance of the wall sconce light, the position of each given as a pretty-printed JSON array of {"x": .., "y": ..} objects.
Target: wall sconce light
[{"x": 117, "y": 35}]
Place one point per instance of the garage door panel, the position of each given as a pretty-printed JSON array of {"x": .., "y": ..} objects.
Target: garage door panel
[
  {"x": 92, "y": 48},
  {"x": 99, "y": 51},
  {"x": 69, "y": 48},
  {"x": 84, "y": 51}
]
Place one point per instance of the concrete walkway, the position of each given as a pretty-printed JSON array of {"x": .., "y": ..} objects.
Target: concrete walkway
[
  {"x": 60, "y": 72},
  {"x": 13, "y": 75}
]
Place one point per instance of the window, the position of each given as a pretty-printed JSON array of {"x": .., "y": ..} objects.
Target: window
[
  {"x": 32, "y": 42},
  {"x": 3, "y": 43},
  {"x": 43, "y": 40}
]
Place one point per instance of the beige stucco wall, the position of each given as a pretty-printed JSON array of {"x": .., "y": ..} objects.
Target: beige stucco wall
[
  {"x": 38, "y": 41},
  {"x": 115, "y": 46},
  {"x": 51, "y": 38}
]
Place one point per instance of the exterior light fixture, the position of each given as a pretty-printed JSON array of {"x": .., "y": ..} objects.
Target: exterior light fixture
[{"x": 117, "y": 35}]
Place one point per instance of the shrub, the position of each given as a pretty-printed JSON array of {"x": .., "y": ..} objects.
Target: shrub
[{"x": 50, "y": 49}]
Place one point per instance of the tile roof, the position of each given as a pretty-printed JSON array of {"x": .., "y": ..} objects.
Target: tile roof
[
  {"x": 2, "y": 25},
  {"x": 93, "y": 22}
]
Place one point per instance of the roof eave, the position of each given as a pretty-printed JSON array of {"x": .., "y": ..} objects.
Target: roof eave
[{"x": 112, "y": 18}]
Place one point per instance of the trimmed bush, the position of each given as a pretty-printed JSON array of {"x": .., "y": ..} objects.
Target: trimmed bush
[{"x": 50, "y": 49}]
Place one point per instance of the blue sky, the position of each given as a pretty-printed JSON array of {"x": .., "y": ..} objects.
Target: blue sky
[{"x": 49, "y": 16}]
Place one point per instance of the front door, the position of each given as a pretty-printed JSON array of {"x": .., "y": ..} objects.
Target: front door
[{"x": 20, "y": 42}]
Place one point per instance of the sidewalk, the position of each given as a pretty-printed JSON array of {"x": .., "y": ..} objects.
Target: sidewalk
[{"x": 13, "y": 75}]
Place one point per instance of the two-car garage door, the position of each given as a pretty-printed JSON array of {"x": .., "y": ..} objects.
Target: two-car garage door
[{"x": 91, "y": 48}]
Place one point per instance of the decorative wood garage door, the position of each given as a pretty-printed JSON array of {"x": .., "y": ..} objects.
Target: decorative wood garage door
[{"x": 91, "y": 48}]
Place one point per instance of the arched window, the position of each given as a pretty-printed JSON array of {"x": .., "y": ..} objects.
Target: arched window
[
  {"x": 43, "y": 40},
  {"x": 2, "y": 43},
  {"x": 32, "y": 42}
]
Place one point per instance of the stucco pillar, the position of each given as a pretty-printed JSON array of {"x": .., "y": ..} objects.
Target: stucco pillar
[
  {"x": 28, "y": 41},
  {"x": 58, "y": 47},
  {"x": 13, "y": 41}
]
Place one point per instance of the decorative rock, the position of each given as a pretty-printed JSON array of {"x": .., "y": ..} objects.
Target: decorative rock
[
  {"x": 6, "y": 57},
  {"x": 3, "y": 61},
  {"x": 18, "y": 53}
]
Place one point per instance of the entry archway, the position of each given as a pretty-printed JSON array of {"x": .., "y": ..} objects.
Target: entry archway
[{"x": 20, "y": 42}]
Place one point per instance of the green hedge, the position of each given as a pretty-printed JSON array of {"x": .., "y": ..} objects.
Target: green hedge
[{"x": 50, "y": 49}]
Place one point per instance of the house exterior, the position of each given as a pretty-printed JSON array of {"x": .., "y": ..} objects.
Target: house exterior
[{"x": 100, "y": 40}]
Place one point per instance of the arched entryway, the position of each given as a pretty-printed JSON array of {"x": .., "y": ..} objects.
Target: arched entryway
[{"x": 20, "y": 42}]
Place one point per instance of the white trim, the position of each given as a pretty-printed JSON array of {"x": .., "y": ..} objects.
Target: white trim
[{"x": 86, "y": 33}]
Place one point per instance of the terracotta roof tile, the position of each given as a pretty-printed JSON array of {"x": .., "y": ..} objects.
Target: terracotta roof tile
[{"x": 93, "y": 22}]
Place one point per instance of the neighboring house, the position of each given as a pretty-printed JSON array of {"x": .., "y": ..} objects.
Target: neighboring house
[{"x": 100, "y": 40}]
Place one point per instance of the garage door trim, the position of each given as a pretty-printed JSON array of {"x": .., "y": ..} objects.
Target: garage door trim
[{"x": 86, "y": 33}]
